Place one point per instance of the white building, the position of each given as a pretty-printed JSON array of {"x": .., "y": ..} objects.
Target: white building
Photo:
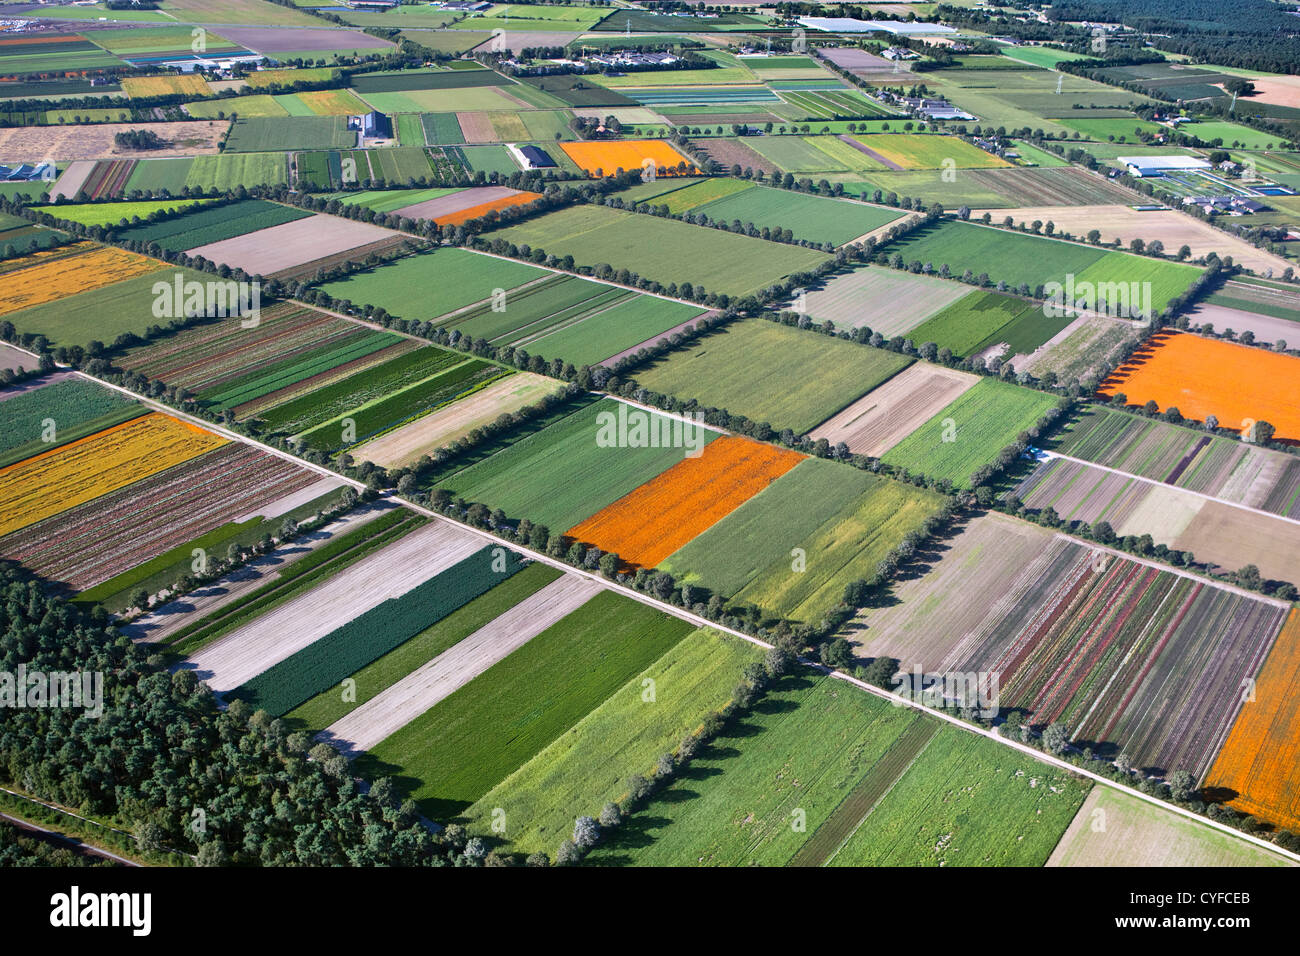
[{"x": 1157, "y": 165}]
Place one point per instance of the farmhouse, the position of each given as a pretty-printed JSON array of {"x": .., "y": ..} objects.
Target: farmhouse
[
  {"x": 372, "y": 125},
  {"x": 536, "y": 158},
  {"x": 1141, "y": 166}
]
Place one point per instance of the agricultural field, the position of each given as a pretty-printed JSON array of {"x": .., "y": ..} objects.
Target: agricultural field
[
  {"x": 971, "y": 431},
  {"x": 57, "y": 412},
  {"x": 291, "y": 243},
  {"x": 1202, "y": 377},
  {"x": 258, "y": 134},
  {"x": 889, "y": 413},
  {"x": 662, "y": 249},
  {"x": 563, "y": 473},
  {"x": 1256, "y": 767},
  {"x": 114, "y": 214},
  {"x": 597, "y": 158},
  {"x": 206, "y": 225},
  {"x": 1134, "y": 833},
  {"x": 982, "y": 320},
  {"x": 654, "y": 520},
  {"x": 807, "y": 378},
  {"x": 529, "y": 699},
  {"x": 887, "y": 301},
  {"x": 844, "y": 521},
  {"x": 859, "y": 769}
]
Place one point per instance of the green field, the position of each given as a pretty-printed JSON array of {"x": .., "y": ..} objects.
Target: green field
[
  {"x": 967, "y": 801},
  {"x": 1167, "y": 278},
  {"x": 606, "y": 333},
  {"x": 589, "y": 764},
  {"x": 803, "y": 747},
  {"x": 844, "y": 520},
  {"x": 45, "y": 418},
  {"x": 328, "y": 706},
  {"x": 1010, "y": 257},
  {"x": 388, "y": 200},
  {"x": 203, "y": 226},
  {"x": 978, "y": 425},
  {"x": 112, "y": 213},
  {"x": 252, "y": 106},
  {"x": 788, "y": 377},
  {"x": 1232, "y": 134},
  {"x": 1112, "y": 129},
  {"x": 558, "y": 476},
  {"x": 814, "y": 218},
  {"x": 662, "y": 249},
  {"x": 256, "y": 134},
  {"x": 454, "y": 753},
  {"x": 431, "y": 284},
  {"x": 972, "y": 320},
  {"x": 228, "y": 171}
]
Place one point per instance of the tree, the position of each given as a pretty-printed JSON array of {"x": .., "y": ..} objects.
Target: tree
[
  {"x": 1182, "y": 785},
  {"x": 1261, "y": 432},
  {"x": 586, "y": 832},
  {"x": 1055, "y": 739},
  {"x": 140, "y": 599},
  {"x": 568, "y": 854},
  {"x": 610, "y": 815},
  {"x": 1249, "y": 577},
  {"x": 1123, "y": 762}
]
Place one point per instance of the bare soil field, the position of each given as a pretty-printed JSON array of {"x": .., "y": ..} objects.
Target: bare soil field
[
  {"x": 1278, "y": 90},
  {"x": 1266, "y": 328},
  {"x": 1232, "y": 538},
  {"x": 12, "y": 358},
  {"x": 860, "y": 62},
  {"x": 1114, "y": 829},
  {"x": 1125, "y": 223},
  {"x": 403, "y": 446},
  {"x": 291, "y": 244},
  {"x": 394, "y": 708},
  {"x": 308, "y": 269},
  {"x": 476, "y": 128},
  {"x": 73, "y": 178},
  {"x": 1078, "y": 349},
  {"x": 977, "y": 577},
  {"x": 885, "y": 416},
  {"x": 517, "y": 40},
  {"x": 36, "y": 144},
  {"x": 283, "y": 631},
  {"x": 455, "y": 202},
  {"x": 730, "y": 152},
  {"x": 889, "y": 301}
]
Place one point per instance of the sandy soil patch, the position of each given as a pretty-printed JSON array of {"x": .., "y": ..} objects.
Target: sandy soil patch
[
  {"x": 456, "y": 202},
  {"x": 73, "y": 178},
  {"x": 1233, "y": 538},
  {"x": 390, "y": 572},
  {"x": 1125, "y": 223},
  {"x": 888, "y": 301},
  {"x": 403, "y": 446},
  {"x": 38, "y": 144},
  {"x": 885, "y": 416},
  {"x": 1267, "y": 328},
  {"x": 394, "y": 708},
  {"x": 291, "y": 244},
  {"x": 1278, "y": 90}
]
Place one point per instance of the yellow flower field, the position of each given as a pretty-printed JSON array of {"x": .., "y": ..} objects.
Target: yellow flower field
[
  {"x": 45, "y": 255},
  {"x": 186, "y": 83},
  {"x": 49, "y": 280},
  {"x": 57, "y": 480}
]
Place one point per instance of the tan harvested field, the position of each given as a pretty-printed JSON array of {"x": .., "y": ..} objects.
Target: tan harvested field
[
  {"x": 627, "y": 115},
  {"x": 886, "y": 415},
  {"x": 1233, "y": 538},
  {"x": 308, "y": 269},
  {"x": 283, "y": 505},
  {"x": 283, "y": 631},
  {"x": 291, "y": 244},
  {"x": 889, "y": 301},
  {"x": 403, "y": 446},
  {"x": 1266, "y": 328},
  {"x": 73, "y": 178},
  {"x": 1125, "y": 223},
  {"x": 1278, "y": 90},
  {"x": 36, "y": 144},
  {"x": 1164, "y": 513},
  {"x": 1115, "y": 829},
  {"x": 518, "y": 40},
  {"x": 455, "y": 202},
  {"x": 476, "y": 127},
  {"x": 398, "y": 705},
  {"x": 731, "y": 152},
  {"x": 1078, "y": 349},
  {"x": 170, "y": 617},
  {"x": 979, "y": 576}
]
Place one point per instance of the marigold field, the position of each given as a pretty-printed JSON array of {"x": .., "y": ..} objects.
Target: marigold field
[
  {"x": 629, "y": 154},
  {"x": 50, "y": 279},
  {"x": 1260, "y": 762},
  {"x": 114, "y": 458},
  {"x": 475, "y": 212},
  {"x": 1201, "y": 377},
  {"x": 656, "y": 519}
]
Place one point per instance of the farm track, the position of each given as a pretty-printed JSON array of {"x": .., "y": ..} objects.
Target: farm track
[
  {"x": 703, "y": 622},
  {"x": 417, "y": 692}
]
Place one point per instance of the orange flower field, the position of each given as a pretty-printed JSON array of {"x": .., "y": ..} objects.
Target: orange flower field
[
  {"x": 1201, "y": 377},
  {"x": 81, "y": 471},
  {"x": 628, "y": 155},
  {"x": 1261, "y": 759},
  {"x": 651, "y": 522},
  {"x": 474, "y": 212},
  {"x": 51, "y": 279}
]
